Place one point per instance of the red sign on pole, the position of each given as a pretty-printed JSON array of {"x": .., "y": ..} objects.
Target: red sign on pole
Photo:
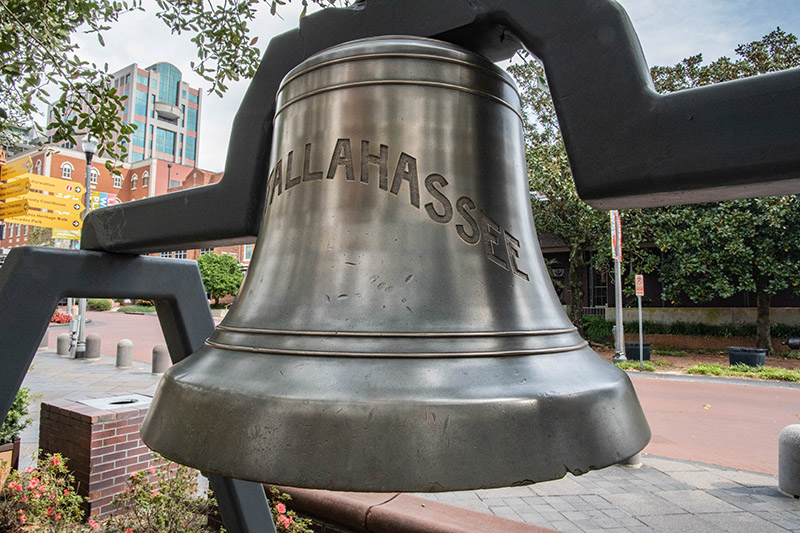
[{"x": 639, "y": 285}]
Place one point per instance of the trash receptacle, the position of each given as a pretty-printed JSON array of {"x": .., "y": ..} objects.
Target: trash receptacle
[
  {"x": 632, "y": 351},
  {"x": 748, "y": 356}
]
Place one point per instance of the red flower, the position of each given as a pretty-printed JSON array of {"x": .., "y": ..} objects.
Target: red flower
[
  {"x": 283, "y": 519},
  {"x": 22, "y": 517},
  {"x": 58, "y": 516},
  {"x": 34, "y": 483},
  {"x": 281, "y": 508},
  {"x": 94, "y": 524},
  {"x": 66, "y": 492},
  {"x": 56, "y": 460}
]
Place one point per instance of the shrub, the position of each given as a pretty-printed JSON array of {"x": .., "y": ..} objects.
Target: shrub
[
  {"x": 15, "y": 420},
  {"x": 745, "y": 371},
  {"x": 145, "y": 303},
  {"x": 286, "y": 520},
  {"x": 168, "y": 504},
  {"x": 646, "y": 366},
  {"x": 598, "y": 329},
  {"x": 98, "y": 304},
  {"x": 137, "y": 309},
  {"x": 669, "y": 352},
  {"x": 41, "y": 499}
]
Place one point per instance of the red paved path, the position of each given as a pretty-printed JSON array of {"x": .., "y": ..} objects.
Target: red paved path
[{"x": 739, "y": 429}]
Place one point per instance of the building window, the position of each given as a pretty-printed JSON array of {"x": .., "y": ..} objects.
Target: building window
[
  {"x": 134, "y": 179},
  {"x": 193, "y": 98},
  {"x": 183, "y": 95},
  {"x": 165, "y": 141},
  {"x": 141, "y": 79},
  {"x": 191, "y": 119},
  {"x": 39, "y": 166},
  {"x": 26, "y": 229},
  {"x": 136, "y": 156},
  {"x": 248, "y": 252},
  {"x": 140, "y": 107},
  {"x": 138, "y": 134},
  {"x": 145, "y": 179},
  {"x": 166, "y": 254},
  {"x": 204, "y": 251},
  {"x": 190, "y": 147},
  {"x": 93, "y": 174},
  {"x": 117, "y": 181},
  {"x": 19, "y": 229},
  {"x": 180, "y": 254},
  {"x": 66, "y": 171}
]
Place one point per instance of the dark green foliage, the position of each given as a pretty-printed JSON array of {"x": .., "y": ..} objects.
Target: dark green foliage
[
  {"x": 598, "y": 329},
  {"x": 39, "y": 53},
  {"x": 98, "y": 304},
  {"x": 720, "y": 249},
  {"x": 222, "y": 275},
  {"x": 15, "y": 421}
]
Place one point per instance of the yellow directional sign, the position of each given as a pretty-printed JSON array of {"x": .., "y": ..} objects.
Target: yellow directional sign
[
  {"x": 15, "y": 168},
  {"x": 13, "y": 209},
  {"x": 54, "y": 185},
  {"x": 74, "y": 235},
  {"x": 14, "y": 188},
  {"x": 53, "y": 202},
  {"x": 48, "y": 220}
]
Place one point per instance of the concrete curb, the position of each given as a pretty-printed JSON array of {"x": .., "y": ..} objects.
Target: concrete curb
[
  {"x": 716, "y": 379},
  {"x": 397, "y": 513}
]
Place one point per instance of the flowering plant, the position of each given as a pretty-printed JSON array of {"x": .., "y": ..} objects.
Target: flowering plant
[
  {"x": 60, "y": 318},
  {"x": 162, "y": 500},
  {"x": 41, "y": 498},
  {"x": 286, "y": 521}
]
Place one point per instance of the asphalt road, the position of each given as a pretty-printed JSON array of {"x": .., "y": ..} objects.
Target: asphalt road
[{"x": 715, "y": 420}]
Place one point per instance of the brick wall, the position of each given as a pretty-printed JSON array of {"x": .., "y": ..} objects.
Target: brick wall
[{"x": 103, "y": 447}]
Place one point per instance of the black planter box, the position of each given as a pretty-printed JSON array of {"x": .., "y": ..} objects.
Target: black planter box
[
  {"x": 632, "y": 351},
  {"x": 748, "y": 356}
]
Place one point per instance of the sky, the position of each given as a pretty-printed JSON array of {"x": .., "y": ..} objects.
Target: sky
[{"x": 668, "y": 30}]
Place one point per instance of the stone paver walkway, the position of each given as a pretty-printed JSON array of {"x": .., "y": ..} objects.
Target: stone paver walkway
[{"x": 664, "y": 495}]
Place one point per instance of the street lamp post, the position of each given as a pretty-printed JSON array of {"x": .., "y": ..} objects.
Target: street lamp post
[{"x": 89, "y": 146}]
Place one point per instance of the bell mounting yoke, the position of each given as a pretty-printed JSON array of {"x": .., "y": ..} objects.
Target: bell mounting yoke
[{"x": 628, "y": 146}]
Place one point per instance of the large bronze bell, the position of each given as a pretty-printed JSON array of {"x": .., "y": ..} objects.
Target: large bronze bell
[{"x": 397, "y": 330}]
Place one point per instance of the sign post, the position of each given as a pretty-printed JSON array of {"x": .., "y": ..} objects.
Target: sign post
[
  {"x": 616, "y": 252},
  {"x": 639, "y": 294}
]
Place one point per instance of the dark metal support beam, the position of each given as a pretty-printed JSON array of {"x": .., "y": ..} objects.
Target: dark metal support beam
[{"x": 33, "y": 280}]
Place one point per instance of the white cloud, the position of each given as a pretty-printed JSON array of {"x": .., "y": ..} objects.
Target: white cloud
[{"x": 669, "y": 32}]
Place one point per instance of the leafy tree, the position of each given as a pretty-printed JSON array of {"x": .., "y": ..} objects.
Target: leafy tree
[
  {"x": 37, "y": 50},
  {"x": 221, "y": 275},
  {"x": 557, "y": 209},
  {"x": 717, "y": 250}
]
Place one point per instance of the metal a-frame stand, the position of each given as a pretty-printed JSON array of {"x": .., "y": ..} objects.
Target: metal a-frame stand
[
  {"x": 33, "y": 280},
  {"x": 612, "y": 121}
]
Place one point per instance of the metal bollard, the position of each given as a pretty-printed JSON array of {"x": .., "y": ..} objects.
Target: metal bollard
[
  {"x": 634, "y": 461},
  {"x": 789, "y": 460},
  {"x": 92, "y": 346},
  {"x": 125, "y": 353},
  {"x": 161, "y": 361},
  {"x": 62, "y": 344}
]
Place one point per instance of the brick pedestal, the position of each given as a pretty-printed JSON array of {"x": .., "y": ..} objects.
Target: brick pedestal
[{"x": 102, "y": 444}]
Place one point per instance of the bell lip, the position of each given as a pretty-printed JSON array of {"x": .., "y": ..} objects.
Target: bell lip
[{"x": 298, "y": 438}]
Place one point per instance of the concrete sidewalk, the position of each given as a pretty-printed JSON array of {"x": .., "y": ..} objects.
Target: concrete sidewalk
[{"x": 664, "y": 495}]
